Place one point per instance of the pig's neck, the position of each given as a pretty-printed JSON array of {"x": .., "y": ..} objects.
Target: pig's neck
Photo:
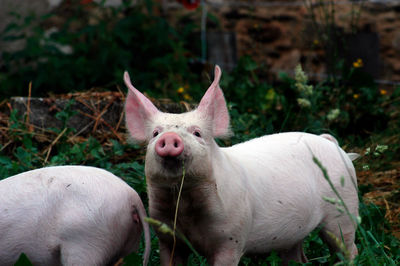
[
  {"x": 206, "y": 207},
  {"x": 202, "y": 193},
  {"x": 229, "y": 176},
  {"x": 196, "y": 207}
]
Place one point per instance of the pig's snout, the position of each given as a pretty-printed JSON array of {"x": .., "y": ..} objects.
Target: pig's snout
[{"x": 169, "y": 145}]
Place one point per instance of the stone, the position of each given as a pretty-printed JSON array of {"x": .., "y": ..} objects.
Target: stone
[
  {"x": 222, "y": 49},
  {"x": 90, "y": 113},
  {"x": 287, "y": 62}
]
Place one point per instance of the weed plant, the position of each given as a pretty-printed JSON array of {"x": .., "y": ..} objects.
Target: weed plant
[
  {"x": 353, "y": 109},
  {"x": 106, "y": 41},
  {"x": 102, "y": 42},
  {"x": 27, "y": 149}
]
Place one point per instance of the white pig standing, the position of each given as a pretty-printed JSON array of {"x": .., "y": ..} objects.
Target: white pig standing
[
  {"x": 70, "y": 215},
  {"x": 261, "y": 195}
]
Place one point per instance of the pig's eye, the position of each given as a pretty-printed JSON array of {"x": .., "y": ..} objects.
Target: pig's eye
[
  {"x": 155, "y": 133},
  {"x": 197, "y": 134}
]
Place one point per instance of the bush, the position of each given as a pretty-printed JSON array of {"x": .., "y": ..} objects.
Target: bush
[
  {"x": 157, "y": 56},
  {"x": 93, "y": 47}
]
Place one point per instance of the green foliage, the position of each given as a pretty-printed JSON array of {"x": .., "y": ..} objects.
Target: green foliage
[
  {"x": 377, "y": 246},
  {"x": 351, "y": 107},
  {"x": 100, "y": 46},
  {"x": 197, "y": 260},
  {"x": 132, "y": 259},
  {"x": 27, "y": 152},
  {"x": 23, "y": 261},
  {"x": 65, "y": 114},
  {"x": 157, "y": 56}
]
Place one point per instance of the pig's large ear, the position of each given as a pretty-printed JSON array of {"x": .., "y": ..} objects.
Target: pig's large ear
[
  {"x": 213, "y": 107},
  {"x": 138, "y": 111}
]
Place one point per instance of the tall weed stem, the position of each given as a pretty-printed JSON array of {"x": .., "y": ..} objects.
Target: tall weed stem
[{"x": 176, "y": 214}]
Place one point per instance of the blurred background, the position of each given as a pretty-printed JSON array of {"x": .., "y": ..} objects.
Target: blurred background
[
  {"x": 320, "y": 66},
  {"x": 346, "y": 48}
]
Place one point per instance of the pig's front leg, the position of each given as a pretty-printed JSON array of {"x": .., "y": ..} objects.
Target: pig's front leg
[
  {"x": 165, "y": 256},
  {"x": 228, "y": 256},
  {"x": 296, "y": 253}
]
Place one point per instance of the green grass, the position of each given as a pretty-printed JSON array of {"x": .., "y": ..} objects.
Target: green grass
[
  {"x": 352, "y": 108},
  {"x": 25, "y": 151}
]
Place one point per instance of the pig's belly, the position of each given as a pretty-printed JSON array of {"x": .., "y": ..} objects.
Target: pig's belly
[
  {"x": 281, "y": 220},
  {"x": 280, "y": 233},
  {"x": 283, "y": 212}
]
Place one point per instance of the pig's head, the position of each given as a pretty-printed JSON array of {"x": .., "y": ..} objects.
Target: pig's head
[{"x": 174, "y": 140}]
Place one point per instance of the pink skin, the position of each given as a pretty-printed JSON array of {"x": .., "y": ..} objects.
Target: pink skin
[
  {"x": 169, "y": 145},
  {"x": 75, "y": 215},
  {"x": 262, "y": 195}
]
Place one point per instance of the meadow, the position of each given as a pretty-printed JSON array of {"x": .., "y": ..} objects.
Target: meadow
[{"x": 361, "y": 114}]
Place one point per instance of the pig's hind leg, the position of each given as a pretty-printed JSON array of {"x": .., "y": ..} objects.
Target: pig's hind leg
[
  {"x": 83, "y": 254},
  {"x": 180, "y": 254},
  {"x": 339, "y": 231},
  {"x": 296, "y": 253}
]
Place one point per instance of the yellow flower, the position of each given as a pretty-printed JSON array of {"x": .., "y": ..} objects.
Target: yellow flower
[
  {"x": 356, "y": 96},
  {"x": 358, "y": 63},
  {"x": 180, "y": 90},
  {"x": 315, "y": 42},
  {"x": 187, "y": 97},
  {"x": 383, "y": 92}
]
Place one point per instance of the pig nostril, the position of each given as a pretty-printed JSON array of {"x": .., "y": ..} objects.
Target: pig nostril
[
  {"x": 169, "y": 144},
  {"x": 161, "y": 144}
]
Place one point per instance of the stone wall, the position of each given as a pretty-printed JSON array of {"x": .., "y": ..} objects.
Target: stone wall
[{"x": 280, "y": 34}]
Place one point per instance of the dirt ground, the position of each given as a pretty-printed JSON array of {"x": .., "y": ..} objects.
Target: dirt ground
[
  {"x": 385, "y": 193},
  {"x": 383, "y": 186}
]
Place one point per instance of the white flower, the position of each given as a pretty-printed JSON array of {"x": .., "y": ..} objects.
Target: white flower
[
  {"x": 301, "y": 81},
  {"x": 381, "y": 148},
  {"x": 299, "y": 75},
  {"x": 333, "y": 114},
  {"x": 303, "y": 102}
]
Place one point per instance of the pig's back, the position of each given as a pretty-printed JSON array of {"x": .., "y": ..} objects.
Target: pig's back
[
  {"x": 290, "y": 155},
  {"x": 42, "y": 208},
  {"x": 286, "y": 187}
]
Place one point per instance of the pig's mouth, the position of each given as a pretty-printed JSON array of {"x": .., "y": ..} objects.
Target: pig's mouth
[{"x": 172, "y": 164}]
